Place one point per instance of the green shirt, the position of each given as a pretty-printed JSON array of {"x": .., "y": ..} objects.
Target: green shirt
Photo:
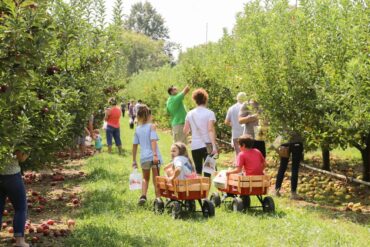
[{"x": 176, "y": 108}]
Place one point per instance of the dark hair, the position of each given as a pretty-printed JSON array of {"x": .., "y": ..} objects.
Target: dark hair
[
  {"x": 143, "y": 113},
  {"x": 183, "y": 150},
  {"x": 112, "y": 101},
  {"x": 200, "y": 96},
  {"x": 246, "y": 141},
  {"x": 169, "y": 90}
]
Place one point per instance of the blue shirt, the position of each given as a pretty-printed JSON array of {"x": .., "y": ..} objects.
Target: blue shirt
[
  {"x": 98, "y": 142},
  {"x": 144, "y": 135}
]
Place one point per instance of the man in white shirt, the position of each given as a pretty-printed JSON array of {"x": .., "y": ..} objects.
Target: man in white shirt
[{"x": 232, "y": 119}]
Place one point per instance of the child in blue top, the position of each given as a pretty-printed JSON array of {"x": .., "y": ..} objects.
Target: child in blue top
[
  {"x": 98, "y": 141},
  {"x": 150, "y": 157}
]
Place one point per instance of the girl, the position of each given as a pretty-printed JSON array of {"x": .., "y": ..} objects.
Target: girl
[
  {"x": 98, "y": 141},
  {"x": 182, "y": 167},
  {"x": 150, "y": 157}
]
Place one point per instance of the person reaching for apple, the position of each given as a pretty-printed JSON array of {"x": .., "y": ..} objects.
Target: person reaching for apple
[{"x": 12, "y": 186}]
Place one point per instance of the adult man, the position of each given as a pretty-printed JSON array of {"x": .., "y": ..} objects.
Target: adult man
[
  {"x": 176, "y": 109},
  {"x": 248, "y": 115},
  {"x": 232, "y": 119}
]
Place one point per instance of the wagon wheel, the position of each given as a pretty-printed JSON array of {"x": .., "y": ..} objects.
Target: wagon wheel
[
  {"x": 246, "y": 201},
  {"x": 158, "y": 206},
  {"x": 208, "y": 208},
  {"x": 190, "y": 205},
  {"x": 216, "y": 199},
  {"x": 237, "y": 204},
  {"x": 268, "y": 204},
  {"x": 176, "y": 210}
]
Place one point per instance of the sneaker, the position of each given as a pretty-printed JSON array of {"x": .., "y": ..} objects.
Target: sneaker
[
  {"x": 295, "y": 196},
  {"x": 276, "y": 193},
  {"x": 142, "y": 200}
]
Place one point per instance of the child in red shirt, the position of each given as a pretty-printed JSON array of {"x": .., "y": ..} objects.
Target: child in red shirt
[{"x": 250, "y": 160}]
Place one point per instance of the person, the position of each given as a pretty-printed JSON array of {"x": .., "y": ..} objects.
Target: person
[
  {"x": 249, "y": 117},
  {"x": 250, "y": 160},
  {"x": 98, "y": 141},
  {"x": 113, "y": 116},
  {"x": 131, "y": 114},
  {"x": 80, "y": 141},
  {"x": 137, "y": 105},
  {"x": 175, "y": 107},
  {"x": 123, "y": 108},
  {"x": 12, "y": 186},
  {"x": 182, "y": 167},
  {"x": 295, "y": 149},
  {"x": 201, "y": 122},
  {"x": 232, "y": 119},
  {"x": 150, "y": 157}
]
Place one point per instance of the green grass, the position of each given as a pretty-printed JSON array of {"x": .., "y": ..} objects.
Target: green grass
[
  {"x": 109, "y": 216},
  {"x": 350, "y": 153}
]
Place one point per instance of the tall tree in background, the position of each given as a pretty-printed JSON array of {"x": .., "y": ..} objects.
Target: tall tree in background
[
  {"x": 99, "y": 13},
  {"x": 145, "y": 19},
  {"x": 118, "y": 13}
]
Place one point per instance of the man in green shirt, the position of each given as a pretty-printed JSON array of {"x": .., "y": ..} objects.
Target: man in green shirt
[{"x": 176, "y": 109}]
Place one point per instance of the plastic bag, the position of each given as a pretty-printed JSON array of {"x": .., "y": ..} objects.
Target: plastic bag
[
  {"x": 105, "y": 125},
  {"x": 136, "y": 180},
  {"x": 220, "y": 180},
  {"x": 88, "y": 141},
  {"x": 277, "y": 142},
  {"x": 209, "y": 165}
]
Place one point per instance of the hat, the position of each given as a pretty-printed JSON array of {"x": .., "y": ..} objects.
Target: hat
[{"x": 241, "y": 97}]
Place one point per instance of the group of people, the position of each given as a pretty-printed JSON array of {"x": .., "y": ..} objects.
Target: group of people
[{"x": 243, "y": 118}]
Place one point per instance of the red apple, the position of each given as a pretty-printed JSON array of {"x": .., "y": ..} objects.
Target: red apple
[
  {"x": 4, "y": 225},
  {"x": 31, "y": 230},
  {"x": 5, "y": 213},
  {"x": 75, "y": 201},
  {"x": 44, "y": 226},
  {"x": 10, "y": 229},
  {"x": 50, "y": 222},
  {"x": 34, "y": 193}
]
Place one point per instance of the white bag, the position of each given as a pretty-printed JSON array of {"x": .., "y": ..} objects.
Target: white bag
[
  {"x": 105, "y": 125},
  {"x": 88, "y": 141},
  {"x": 220, "y": 180},
  {"x": 209, "y": 165},
  {"x": 277, "y": 142},
  {"x": 136, "y": 180}
]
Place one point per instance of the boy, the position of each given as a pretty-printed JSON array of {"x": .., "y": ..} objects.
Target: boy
[{"x": 250, "y": 160}]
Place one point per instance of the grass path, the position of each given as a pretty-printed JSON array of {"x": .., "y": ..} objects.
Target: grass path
[{"x": 109, "y": 216}]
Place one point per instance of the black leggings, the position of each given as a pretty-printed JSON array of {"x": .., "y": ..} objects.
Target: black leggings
[
  {"x": 260, "y": 145},
  {"x": 296, "y": 149},
  {"x": 199, "y": 156}
]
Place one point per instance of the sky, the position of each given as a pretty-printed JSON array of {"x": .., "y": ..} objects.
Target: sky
[{"x": 187, "y": 19}]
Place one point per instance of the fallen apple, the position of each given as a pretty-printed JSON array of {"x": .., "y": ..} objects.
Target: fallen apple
[
  {"x": 70, "y": 223},
  {"x": 5, "y": 213},
  {"x": 10, "y": 229},
  {"x": 50, "y": 222}
]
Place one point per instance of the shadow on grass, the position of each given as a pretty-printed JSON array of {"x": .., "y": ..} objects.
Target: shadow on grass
[
  {"x": 104, "y": 200},
  {"x": 358, "y": 218},
  {"x": 92, "y": 235},
  {"x": 103, "y": 174}
]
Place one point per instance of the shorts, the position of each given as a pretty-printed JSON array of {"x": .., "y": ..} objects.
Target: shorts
[
  {"x": 178, "y": 134},
  {"x": 147, "y": 165}
]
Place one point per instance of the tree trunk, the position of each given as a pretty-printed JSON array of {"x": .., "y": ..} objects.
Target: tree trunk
[
  {"x": 325, "y": 159},
  {"x": 365, "y": 154}
]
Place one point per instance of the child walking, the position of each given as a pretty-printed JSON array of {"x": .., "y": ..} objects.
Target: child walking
[
  {"x": 182, "y": 167},
  {"x": 250, "y": 160},
  {"x": 98, "y": 141},
  {"x": 150, "y": 157}
]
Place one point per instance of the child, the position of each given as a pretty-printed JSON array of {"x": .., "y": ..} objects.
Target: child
[
  {"x": 150, "y": 157},
  {"x": 182, "y": 165},
  {"x": 98, "y": 141},
  {"x": 250, "y": 160}
]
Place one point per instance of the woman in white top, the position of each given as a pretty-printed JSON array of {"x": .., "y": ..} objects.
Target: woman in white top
[{"x": 201, "y": 122}]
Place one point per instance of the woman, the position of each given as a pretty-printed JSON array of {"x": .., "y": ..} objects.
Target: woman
[
  {"x": 113, "y": 116},
  {"x": 201, "y": 122},
  {"x": 11, "y": 186},
  {"x": 294, "y": 147}
]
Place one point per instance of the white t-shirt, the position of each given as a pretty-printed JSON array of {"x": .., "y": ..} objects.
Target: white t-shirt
[
  {"x": 184, "y": 164},
  {"x": 199, "y": 119},
  {"x": 233, "y": 117}
]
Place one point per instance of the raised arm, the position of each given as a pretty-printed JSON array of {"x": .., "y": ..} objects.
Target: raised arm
[{"x": 186, "y": 90}]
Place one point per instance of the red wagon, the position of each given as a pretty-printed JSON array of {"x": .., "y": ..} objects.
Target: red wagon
[
  {"x": 239, "y": 188},
  {"x": 181, "y": 196}
]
